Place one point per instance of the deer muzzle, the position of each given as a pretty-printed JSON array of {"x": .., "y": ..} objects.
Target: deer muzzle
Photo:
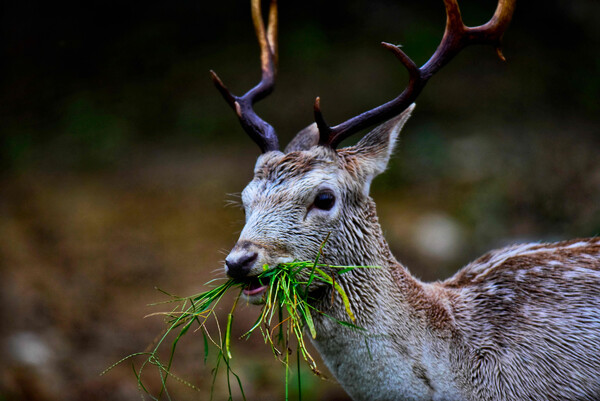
[{"x": 244, "y": 260}]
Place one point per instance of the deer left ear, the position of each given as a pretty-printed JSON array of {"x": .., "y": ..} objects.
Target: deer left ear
[
  {"x": 372, "y": 153},
  {"x": 305, "y": 139}
]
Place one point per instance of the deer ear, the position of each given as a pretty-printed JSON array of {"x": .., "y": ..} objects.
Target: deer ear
[
  {"x": 305, "y": 139},
  {"x": 372, "y": 153}
]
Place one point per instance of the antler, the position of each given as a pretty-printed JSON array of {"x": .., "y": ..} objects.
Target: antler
[
  {"x": 259, "y": 130},
  {"x": 456, "y": 37}
]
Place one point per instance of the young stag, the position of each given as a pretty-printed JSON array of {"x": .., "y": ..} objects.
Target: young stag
[{"x": 520, "y": 323}]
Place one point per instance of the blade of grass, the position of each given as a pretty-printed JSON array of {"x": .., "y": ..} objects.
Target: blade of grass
[
  {"x": 299, "y": 376},
  {"x": 340, "y": 291},
  {"x": 312, "y": 273},
  {"x": 309, "y": 321},
  {"x": 228, "y": 329}
]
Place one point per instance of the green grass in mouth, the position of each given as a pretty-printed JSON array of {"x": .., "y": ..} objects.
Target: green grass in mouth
[{"x": 286, "y": 311}]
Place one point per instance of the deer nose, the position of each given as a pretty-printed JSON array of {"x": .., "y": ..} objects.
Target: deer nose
[{"x": 240, "y": 264}]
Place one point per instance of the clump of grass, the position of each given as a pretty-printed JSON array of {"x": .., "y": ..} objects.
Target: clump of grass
[{"x": 284, "y": 314}]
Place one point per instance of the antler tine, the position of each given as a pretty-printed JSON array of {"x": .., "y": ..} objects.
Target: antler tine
[
  {"x": 259, "y": 130},
  {"x": 494, "y": 29},
  {"x": 272, "y": 32},
  {"x": 332, "y": 136},
  {"x": 456, "y": 37}
]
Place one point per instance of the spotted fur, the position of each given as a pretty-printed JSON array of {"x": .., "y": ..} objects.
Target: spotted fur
[{"x": 520, "y": 323}]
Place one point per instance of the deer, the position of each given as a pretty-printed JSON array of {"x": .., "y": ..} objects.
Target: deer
[{"x": 518, "y": 323}]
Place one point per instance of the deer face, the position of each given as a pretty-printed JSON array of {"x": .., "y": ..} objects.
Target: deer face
[
  {"x": 311, "y": 190},
  {"x": 299, "y": 198}
]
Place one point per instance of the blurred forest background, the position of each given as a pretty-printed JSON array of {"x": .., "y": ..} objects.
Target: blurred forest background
[{"x": 117, "y": 155}]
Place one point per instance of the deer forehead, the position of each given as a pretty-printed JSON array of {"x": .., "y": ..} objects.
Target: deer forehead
[{"x": 295, "y": 176}]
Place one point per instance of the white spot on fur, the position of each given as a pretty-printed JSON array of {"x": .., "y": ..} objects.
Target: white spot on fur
[
  {"x": 520, "y": 275},
  {"x": 490, "y": 288},
  {"x": 577, "y": 245}
]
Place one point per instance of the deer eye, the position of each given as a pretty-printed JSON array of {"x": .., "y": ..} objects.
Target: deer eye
[{"x": 324, "y": 200}]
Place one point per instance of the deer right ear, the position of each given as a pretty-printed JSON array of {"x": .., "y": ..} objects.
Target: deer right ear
[
  {"x": 372, "y": 153},
  {"x": 305, "y": 139}
]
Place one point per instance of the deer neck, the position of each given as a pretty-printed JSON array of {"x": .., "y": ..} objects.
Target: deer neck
[
  {"x": 379, "y": 277},
  {"x": 404, "y": 323}
]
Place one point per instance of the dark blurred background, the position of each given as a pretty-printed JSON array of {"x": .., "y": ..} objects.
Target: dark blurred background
[{"x": 117, "y": 156}]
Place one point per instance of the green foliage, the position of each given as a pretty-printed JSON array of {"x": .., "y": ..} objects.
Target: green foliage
[{"x": 286, "y": 311}]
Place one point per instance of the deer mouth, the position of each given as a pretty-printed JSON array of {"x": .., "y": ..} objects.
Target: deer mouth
[{"x": 254, "y": 287}]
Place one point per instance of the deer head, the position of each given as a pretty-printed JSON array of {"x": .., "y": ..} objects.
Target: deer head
[{"x": 312, "y": 190}]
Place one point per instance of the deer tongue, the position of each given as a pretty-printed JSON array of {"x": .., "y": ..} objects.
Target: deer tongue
[{"x": 255, "y": 286}]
